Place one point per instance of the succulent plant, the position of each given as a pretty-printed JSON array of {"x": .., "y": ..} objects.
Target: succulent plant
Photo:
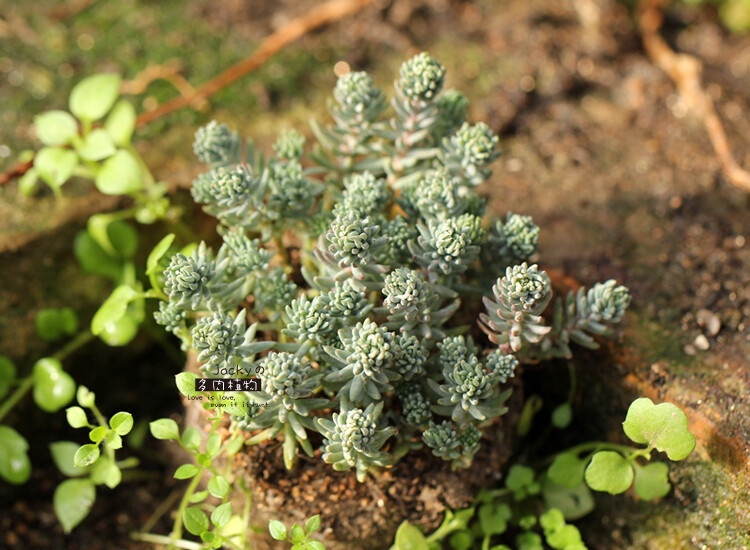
[{"x": 361, "y": 262}]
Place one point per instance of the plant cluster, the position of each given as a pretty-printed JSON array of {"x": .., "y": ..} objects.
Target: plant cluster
[
  {"x": 534, "y": 506},
  {"x": 356, "y": 264}
]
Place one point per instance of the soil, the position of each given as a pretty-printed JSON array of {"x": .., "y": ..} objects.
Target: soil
[{"x": 599, "y": 148}]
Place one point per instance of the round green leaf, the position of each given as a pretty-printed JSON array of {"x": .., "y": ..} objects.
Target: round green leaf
[
  {"x": 92, "y": 97},
  {"x": 663, "y": 426},
  {"x": 15, "y": 466},
  {"x": 296, "y": 533},
  {"x": 610, "y": 472},
  {"x": 76, "y": 417},
  {"x": 164, "y": 428},
  {"x": 113, "y": 309},
  {"x": 121, "y": 423},
  {"x": 119, "y": 175},
  {"x": 53, "y": 387},
  {"x": 52, "y": 323},
  {"x": 7, "y": 374},
  {"x": 221, "y": 514},
  {"x": 652, "y": 480},
  {"x": 567, "y": 469},
  {"x": 186, "y": 471},
  {"x": 93, "y": 259},
  {"x": 63, "y": 453},
  {"x": 55, "y": 127},
  {"x": 195, "y": 520},
  {"x": 106, "y": 472},
  {"x": 96, "y": 146},
  {"x": 562, "y": 415},
  {"x": 186, "y": 383},
  {"x": 55, "y": 165},
  {"x": 277, "y": 529},
  {"x": 408, "y": 537},
  {"x": 121, "y": 332},
  {"x": 121, "y": 122},
  {"x": 573, "y": 503},
  {"x": 113, "y": 439},
  {"x": 218, "y": 486},
  {"x": 191, "y": 438},
  {"x": 86, "y": 455},
  {"x": 213, "y": 444},
  {"x": 73, "y": 500}
]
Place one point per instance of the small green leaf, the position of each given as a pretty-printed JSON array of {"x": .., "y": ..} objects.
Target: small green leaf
[
  {"x": 562, "y": 415},
  {"x": 55, "y": 127},
  {"x": 213, "y": 444},
  {"x": 114, "y": 440},
  {"x": 73, "y": 500},
  {"x": 7, "y": 374},
  {"x": 652, "y": 480},
  {"x": 221, "y": 514},
  {"x": 119, "y": 175},
  {"x": 164, "y": 428},
  {"x": 297, "y": 534},
  {"x": 663, "y": 426},
  {"x": 408, "y": 537},
  {"x": 196, "y": 521},
  {"x": 121, "y": 122},
  {"x": 191, "y": 438},
  {"x": 152, "y": 262},
  {"x": 94, "y": 96},
  {"x": 312, "y": 525},
  {"x": 85, "y": 397},
  {"x": 27, "y": 183},
  {"x": 492, "y": 520},
  {"x": 122, "y": 423},
  {"x": 567, "y": 469},
  {"x": 186, "y": 383},
  {"x": 573, "y": 503},
  {"x": 55, "y": 165},
  {"x": 186, "y": 471},
  {"x": 76, "y": 417},
  {"x": 86, "y": 455},
  {"x": 200, "y": 496},
  {"x": 106, "y": 472},
  {"x": 15, "y": 466},
  {"x": 117, "y": 238},
  {"x": 96, "y": 146},
  {"x": 113, "y": 308},
  {"x": 315, "y": 545},
  {"x": 93, "y": 259},
  {"x": 53, "y": 387},
  {"x": 121, "y": 332},
  {"x": 52, "y": 323},
  {"x": 519, "y": 477},
  {"x": 63, "y": 453},
  {"x": 610, "y": 472},
  {"x": 97, "y": 434},
  {"x": 218, "y": 486},
  {"x": 462, "y": 540},
  {"x": 277, "y": 530}
]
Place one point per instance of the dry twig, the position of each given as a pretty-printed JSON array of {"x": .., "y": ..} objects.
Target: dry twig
[
  {"x": 328, "y": 12},
  {"x": 685, "y": 71}
]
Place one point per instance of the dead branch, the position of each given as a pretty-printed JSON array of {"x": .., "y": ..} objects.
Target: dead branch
[
  {"x": 685, "y": 71},
  {"x": 325, "y": 13}
]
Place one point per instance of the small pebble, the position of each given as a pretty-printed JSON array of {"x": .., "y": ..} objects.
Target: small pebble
[
  {"x": 701, "y": 342},
  {"x": 689, "y": 349},
  {"x": 710, "y": 321}
]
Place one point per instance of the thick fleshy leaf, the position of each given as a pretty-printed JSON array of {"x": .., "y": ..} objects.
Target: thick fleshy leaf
[
  {"x": 119, "y": 175},
  {"x": 15, "y": 466},
  {"x": 53, "y": 387},
  {"x": 55, "y": 127}
]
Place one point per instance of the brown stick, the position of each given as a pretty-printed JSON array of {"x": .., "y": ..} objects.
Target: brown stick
[
  {"x": 685, "y": 71},
  {"x": 325, "y": 13}
]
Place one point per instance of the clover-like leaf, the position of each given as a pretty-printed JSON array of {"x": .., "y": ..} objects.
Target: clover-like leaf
[
  {"x": 663, "y": 426},
  {"x": 652, "y": 480},
  {"x": 55, "y": 165},
  {"x": 609, "y": 472},
  {"x": 408, "y": 537},
  {"x": 96, "y": 146}
]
